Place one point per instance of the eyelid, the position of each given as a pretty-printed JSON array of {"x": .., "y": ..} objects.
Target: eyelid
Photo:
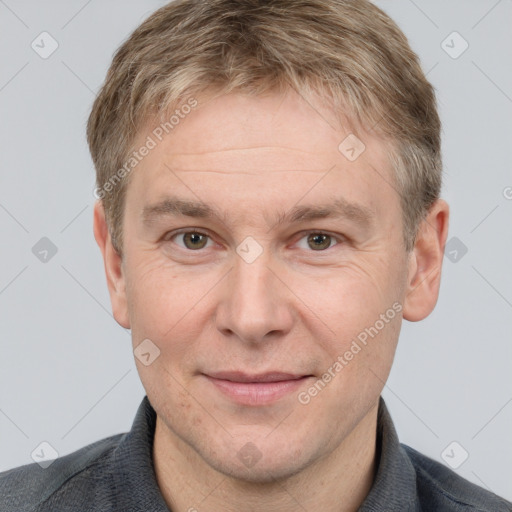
[
  {"x": 337, "y": 237},
  {"x": 199, "y": 231}
]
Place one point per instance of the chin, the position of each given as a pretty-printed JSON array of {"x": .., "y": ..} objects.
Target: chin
[
  {"x": 259, "y": 474},
  {"x": 248, "y": 464}
]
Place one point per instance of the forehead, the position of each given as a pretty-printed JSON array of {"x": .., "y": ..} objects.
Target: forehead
[
  {"x": 288, "y": 120},
  {"x": 270, "y": 151}
]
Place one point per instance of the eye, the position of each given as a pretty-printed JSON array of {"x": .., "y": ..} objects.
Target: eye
[
  {"x": 192, "y": 240},
  {"x": 195, "y": 240},
  {"x": 318, "y": 241}
]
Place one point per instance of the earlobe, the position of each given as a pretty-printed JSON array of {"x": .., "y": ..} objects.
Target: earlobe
[
  {"x": 113, "y": 267},
  {"x": 425, "y": 263}
]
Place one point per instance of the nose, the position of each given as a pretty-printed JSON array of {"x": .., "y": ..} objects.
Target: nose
[{"x": 256, "y": 304}]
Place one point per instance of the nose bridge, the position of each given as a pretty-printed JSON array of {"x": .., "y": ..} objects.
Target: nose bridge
[
  {"x": 252, "y": 281},
  {"x": 254, "y": 304}
]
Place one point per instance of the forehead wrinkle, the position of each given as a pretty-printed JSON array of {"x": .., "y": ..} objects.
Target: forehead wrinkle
[
  {"x": 256, "y": 173},
  {"x": 248, "y": 148}
]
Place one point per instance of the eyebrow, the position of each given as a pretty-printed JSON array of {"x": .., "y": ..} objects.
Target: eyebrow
[{"x": 340, "y": 208}]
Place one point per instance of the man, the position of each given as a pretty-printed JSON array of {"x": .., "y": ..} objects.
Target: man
[{"x": 268, "y": 183}]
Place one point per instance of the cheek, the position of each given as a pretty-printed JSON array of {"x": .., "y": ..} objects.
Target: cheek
[
  {"x": 153, "y": 298},
  {"x": 350, "y": 294},
  {"x": 335, "y": 304},
  {"x": 165, "y": 302},
  {"x": 161, "y": 311},
  {"x": 359, "y": 310}
]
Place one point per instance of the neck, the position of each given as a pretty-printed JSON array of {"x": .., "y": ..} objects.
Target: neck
[{"x": 338, "y": 482}]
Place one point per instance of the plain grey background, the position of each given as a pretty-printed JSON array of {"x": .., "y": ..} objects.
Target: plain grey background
[{"x": 67, "y": 374}]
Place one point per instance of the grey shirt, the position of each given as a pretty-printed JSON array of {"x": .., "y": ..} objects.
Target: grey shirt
[{"x": 117, "y": 474}]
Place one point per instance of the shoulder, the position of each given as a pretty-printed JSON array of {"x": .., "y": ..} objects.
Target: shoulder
[
  {"x": 443, "y": 489},
  {"x": 71, "y": 479}
]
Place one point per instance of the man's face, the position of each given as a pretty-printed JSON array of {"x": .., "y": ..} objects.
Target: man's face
[{"x": 255, "y": 293}]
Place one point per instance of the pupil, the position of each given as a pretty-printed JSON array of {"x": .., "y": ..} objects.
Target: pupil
[
  {"x": 195, "y": 240},
  {"x": 320, "y": 241}
]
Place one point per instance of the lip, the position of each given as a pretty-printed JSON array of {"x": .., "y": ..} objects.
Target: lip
[
  {"x": 261, "y": 377},
  {"x": 259, "y": 389}
]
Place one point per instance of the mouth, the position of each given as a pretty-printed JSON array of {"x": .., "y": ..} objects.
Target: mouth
[{"x": 256, "y": 389}]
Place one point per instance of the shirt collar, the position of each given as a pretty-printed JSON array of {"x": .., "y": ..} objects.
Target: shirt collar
[
  {"x": 134, "y": 473},
  {"x": 394, "y": 486},
  {"x": 137, "y": 489}
]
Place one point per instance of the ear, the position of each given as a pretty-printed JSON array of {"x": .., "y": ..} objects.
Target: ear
[
  {"x": 425, "y": 262},
  {"x": 113, "y": 267}
]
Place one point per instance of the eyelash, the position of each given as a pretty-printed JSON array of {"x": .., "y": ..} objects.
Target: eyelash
[{"x": 169, "y": 236}]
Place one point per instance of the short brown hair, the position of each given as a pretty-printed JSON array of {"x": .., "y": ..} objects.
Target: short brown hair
[{"x": 347, "y": 51}]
